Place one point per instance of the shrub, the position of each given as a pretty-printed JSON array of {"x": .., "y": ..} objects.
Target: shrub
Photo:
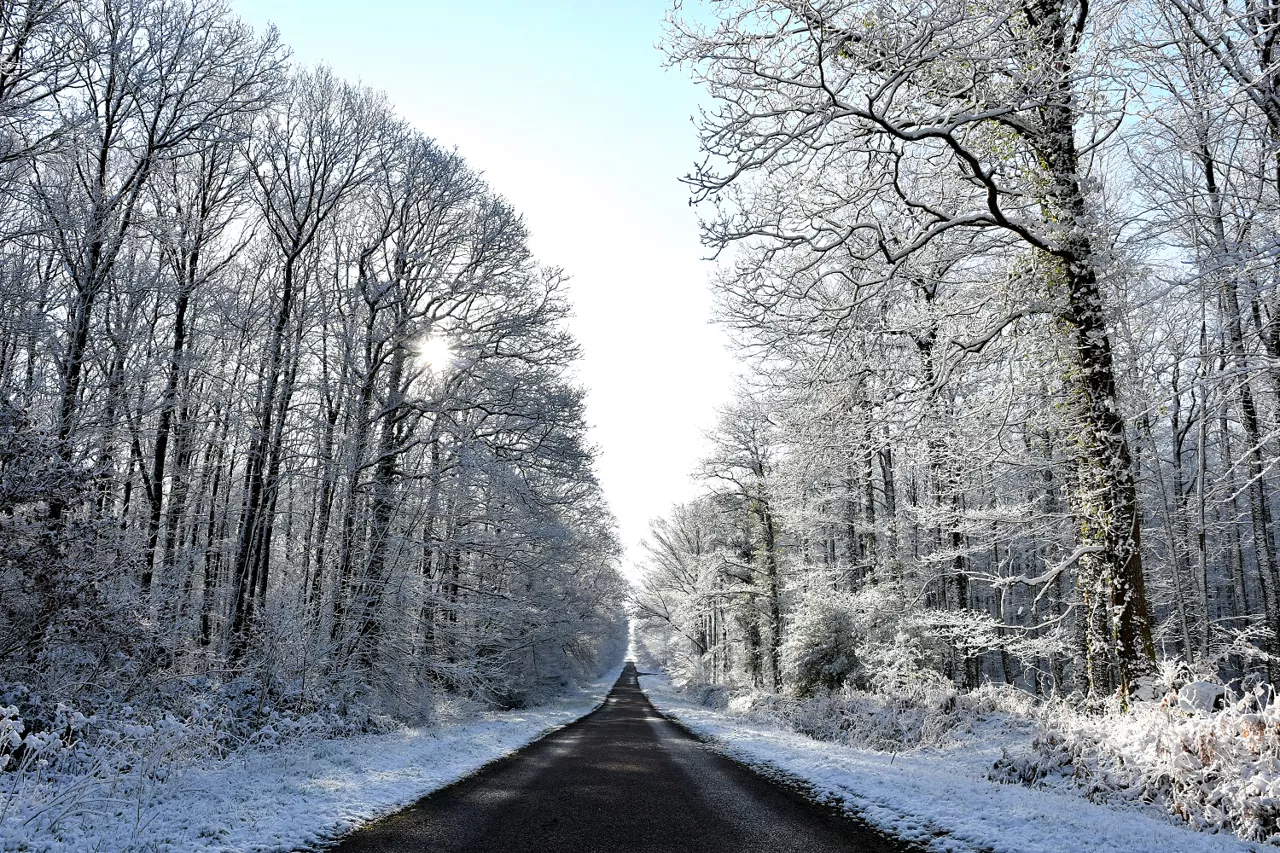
[{"x": 819, "y": 650}]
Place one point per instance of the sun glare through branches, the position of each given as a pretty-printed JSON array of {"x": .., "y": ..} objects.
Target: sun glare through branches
[{"x": 433, "y": 354}]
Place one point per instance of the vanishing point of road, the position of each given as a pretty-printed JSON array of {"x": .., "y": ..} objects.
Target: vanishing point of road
[{"x": 623, "y": 778}]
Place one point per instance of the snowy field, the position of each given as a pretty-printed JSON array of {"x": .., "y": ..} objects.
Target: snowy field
[
  {"x": 299, "y": 795},
  {"x": 941, "y": 796}
]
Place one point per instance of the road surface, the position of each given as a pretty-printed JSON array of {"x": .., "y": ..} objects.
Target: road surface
[{"x": 623, "y": 778}]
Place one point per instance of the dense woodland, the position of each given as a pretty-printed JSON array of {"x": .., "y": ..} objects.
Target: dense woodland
[
  {"x": 1004, "y": 280},
  {"x": 291, "y": 445},
  {"x": 286, "y": 412}
]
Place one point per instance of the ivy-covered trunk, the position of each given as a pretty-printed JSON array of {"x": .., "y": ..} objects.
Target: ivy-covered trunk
[{"x": 1117, "y": 636}]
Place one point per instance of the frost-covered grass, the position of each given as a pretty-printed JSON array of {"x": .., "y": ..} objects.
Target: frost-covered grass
[
  {"x": 928, "y": 773},
  {"x": 1218, "y": 770},
  {"x": 275, "y": 794}
]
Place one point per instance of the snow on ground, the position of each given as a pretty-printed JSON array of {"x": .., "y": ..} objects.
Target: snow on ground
[
  {"x": 302, "y": 794},
  {"x": 940, "y": 796}
]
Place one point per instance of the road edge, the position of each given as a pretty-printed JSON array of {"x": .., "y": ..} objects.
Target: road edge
[{"x": 793, "y": 783}]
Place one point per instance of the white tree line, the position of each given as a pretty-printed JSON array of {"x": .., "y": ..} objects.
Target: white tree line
[
  {"x": 1004, "y": 277},
  {"x": 286, "y": 397}
]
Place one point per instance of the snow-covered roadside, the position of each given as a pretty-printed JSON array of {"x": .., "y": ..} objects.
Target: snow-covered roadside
[
  {"x": 939, "y": 796},
  {"x": 299, "y": 795}
]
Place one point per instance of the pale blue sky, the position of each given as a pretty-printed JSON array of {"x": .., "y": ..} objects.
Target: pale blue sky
[{"x": 565, "y": 105}]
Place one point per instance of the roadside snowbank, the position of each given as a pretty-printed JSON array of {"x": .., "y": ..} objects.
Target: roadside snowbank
[
  {"x": 298, "y": 795},
  {"x": 940, "y": 796}
]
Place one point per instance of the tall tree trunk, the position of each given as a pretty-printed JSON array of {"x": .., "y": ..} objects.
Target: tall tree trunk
[
  {"x": 252, "y": 561},
  {"x": 168, "y": 403},
  {"x": 1106, "y": 501}
]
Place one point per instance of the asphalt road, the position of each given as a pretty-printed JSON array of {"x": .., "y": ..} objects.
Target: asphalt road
[{"x": 621, "y": 779}]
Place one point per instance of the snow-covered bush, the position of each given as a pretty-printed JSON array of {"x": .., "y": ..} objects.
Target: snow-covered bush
[
  {"x": 58, "y": 761},
  {"x": 71, "y": 762},
  {"x": 877, "y": 721},
  {"x": 819, "y": 651},
  {"x": 1216, "y": 768},
  {"x": 923, "y": 716},
  {"x": 896, "y": 654}
]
